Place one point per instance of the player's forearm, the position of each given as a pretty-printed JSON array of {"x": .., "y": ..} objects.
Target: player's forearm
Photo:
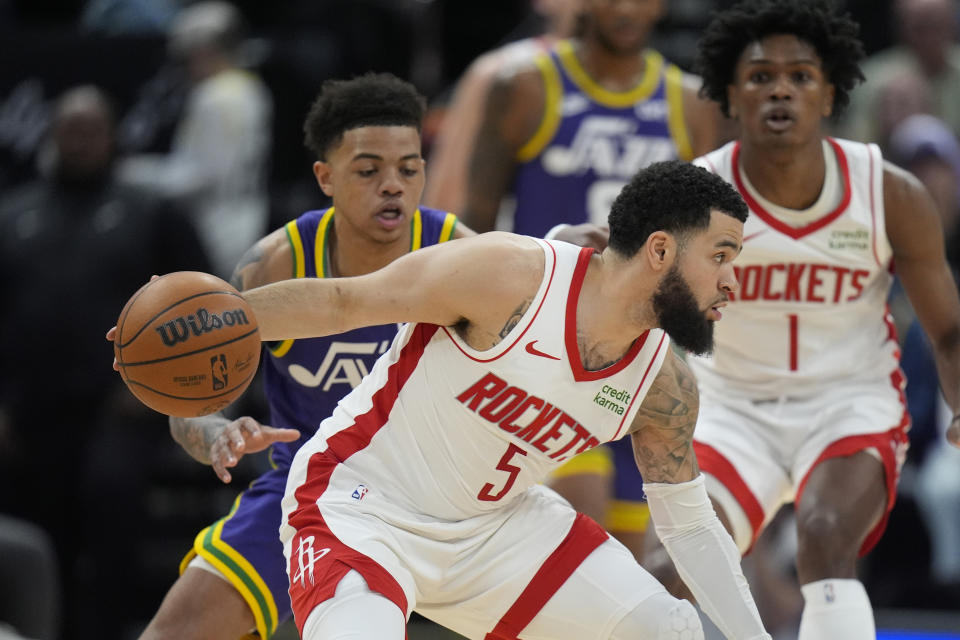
[
  {"x": 705, "y": 556},
  {"x": 196, "y": 435},
  {"x": 299, "y": 308}
]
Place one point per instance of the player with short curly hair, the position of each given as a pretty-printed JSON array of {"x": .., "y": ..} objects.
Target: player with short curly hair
[
  {"x": 833, "y": 35},
  {"x": 423, "y": 490},
  {"x": 365, "y": 133},
  {"x": 802, "y": 399}
]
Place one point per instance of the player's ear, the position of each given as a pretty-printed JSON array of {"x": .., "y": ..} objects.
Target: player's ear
[
  {"x": 322, "y": 171},
  {"x": 659, "y": 250}
]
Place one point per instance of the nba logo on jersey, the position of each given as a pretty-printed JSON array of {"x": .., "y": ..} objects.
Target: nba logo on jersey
[
  {"x": 828, "y": 593},
  {"x": 359, "y": 492}
]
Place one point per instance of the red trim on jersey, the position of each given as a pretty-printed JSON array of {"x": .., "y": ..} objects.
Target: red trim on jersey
[
  {"x": 771, "y": 220},
  {"x": 307, "y": 518},
  {"x": 553, "y": 269},
  {"x": 584, "y": 536},
  {"x": 663, "y": 338},
  {"x": 570, "y": 332},
  {"x": 873, "y": 212},
  {"x": 713, "y": 462}
]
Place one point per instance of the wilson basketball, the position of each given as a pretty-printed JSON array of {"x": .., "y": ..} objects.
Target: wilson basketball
[{"x": 187, "y": 344}]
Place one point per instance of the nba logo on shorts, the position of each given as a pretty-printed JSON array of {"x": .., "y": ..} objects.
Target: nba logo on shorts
[
  {"x": 218, "y": 371},
  {"x": 359, "y": 492},
  {"x": 828, "y": 593}
]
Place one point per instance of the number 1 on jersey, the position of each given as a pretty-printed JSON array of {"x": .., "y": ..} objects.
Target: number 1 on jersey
[
  {"x": 503, "y": 465},
  {"x": 793, "y": 340}
]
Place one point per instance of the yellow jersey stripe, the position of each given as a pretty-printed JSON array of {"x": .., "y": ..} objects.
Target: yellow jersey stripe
[
  {"x": 675, "y": 120},
  {"x": 449, "y": 225},
  {"x": 626, "y": 515},
  {"x": 416, "y": 231},
  {"x": 299, "y": 269},
  {"x": 598, "y": 460},
  {"x": 653, "y": 64},
  {"x": 551, "y": 110},
  {"x": 320, "y": 245}
]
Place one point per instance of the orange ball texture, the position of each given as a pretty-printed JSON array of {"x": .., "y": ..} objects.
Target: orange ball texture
[{"x": 187, "y": 344}]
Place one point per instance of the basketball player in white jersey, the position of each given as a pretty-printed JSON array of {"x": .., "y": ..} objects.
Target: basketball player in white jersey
[
  {"x": 802, "y": 399},
  {"x": 422, "y": 490}
]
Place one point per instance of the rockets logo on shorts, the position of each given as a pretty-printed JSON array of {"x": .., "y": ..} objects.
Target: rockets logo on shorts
[{"x": 306, "y": 558}]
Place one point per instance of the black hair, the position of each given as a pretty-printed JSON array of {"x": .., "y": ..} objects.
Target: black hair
[
  {"x": 833, "y": 36},
  {"x": 373, "y": 99},
  {"x": 672, "y": 196}
]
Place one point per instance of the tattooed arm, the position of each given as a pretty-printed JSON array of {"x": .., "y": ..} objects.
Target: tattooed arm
[
  {"x": 662, "y": 431},
  {"x": 216, "y": 440},
  {"x": 683, "y": 517}
]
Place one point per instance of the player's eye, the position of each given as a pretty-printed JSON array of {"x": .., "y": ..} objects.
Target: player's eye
[{"x": 366, "y": 173}]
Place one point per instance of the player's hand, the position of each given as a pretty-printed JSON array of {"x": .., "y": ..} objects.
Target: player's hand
[
  {"x": 241, "y": 436},
  {"x": 953, "y": 432},
  {"x": 585, "y": 235},
  {"x": 112, "y": 332}
]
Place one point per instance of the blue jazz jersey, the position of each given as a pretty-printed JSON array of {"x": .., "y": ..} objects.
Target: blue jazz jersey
[
  {"x": 304, "y": 380},
  {"x": 591, "y": 141}
]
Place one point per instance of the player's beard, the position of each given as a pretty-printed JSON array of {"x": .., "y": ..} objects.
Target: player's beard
[{"x": 678, "y": 314}]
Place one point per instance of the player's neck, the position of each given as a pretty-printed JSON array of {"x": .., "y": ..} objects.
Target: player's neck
[
  {"x": 612, "y": 71},
  {"x": 352, "y": 254},
  {"x": 608, "y": 321},
  {"x": 790, "y": 177}
]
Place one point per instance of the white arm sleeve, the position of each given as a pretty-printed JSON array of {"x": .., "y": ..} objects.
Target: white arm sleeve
[{"x": 705, "y": 556}]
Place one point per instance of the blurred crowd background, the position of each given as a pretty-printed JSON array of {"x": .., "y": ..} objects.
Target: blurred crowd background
[{"x": 129, "y": 144}]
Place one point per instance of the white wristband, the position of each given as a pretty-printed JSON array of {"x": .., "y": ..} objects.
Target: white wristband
[{"x": 555, "y": 230}]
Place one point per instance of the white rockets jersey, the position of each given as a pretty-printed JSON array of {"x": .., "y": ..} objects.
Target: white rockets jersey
[
  {"x": 440, "y": 429},
  {"x": 812, "y": 306}
]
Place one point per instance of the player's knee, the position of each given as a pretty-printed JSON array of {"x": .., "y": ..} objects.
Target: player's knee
[
  {"x": 660, "y": 617},
  {"x": 822, "y": 538}
]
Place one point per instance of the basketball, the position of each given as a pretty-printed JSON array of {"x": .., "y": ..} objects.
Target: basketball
[{"x": 187, "y": 344}]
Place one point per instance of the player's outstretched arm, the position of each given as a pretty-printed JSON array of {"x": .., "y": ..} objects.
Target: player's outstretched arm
[
  {"x": 702, "y": 550},
  {"x": 216, "y": 440},
  {"x": 478, "y": 281},
  {"x": 916, "y": 236}
]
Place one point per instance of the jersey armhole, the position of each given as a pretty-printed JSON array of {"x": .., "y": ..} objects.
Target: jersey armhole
[{"x": 553, "y": 93}]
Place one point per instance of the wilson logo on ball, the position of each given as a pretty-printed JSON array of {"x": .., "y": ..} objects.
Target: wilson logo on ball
[{"x": 179, "y": 329}]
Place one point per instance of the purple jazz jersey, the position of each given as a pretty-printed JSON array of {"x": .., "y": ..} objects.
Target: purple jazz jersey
[
  {"x": 304, "y": 380},
  {"x": 594, "y": 140}
]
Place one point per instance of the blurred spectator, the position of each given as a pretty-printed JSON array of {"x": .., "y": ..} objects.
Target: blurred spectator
[
  {"x": 450, "y": 155},
  {"x": 927, "y": 55},
  {"x": 218, "y": 163},
  {"x": 926, "y": 147},
  {"x": 128, "y": 17},
  {"x": 74, "y": 245}
]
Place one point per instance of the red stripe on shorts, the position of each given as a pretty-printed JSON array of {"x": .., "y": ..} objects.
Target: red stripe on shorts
[
  {"x": 313, "y": 536},
  {"x": 713, "y": 462},
  {"x": 585, "y": 535},
  {"x": 892, "y": 446}
]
